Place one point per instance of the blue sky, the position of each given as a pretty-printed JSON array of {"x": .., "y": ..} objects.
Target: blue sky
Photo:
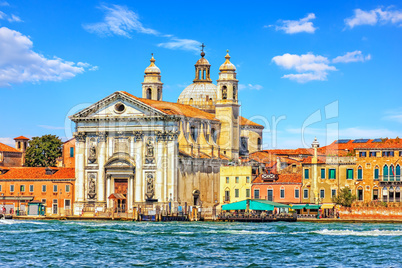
[{"x": 305, "y": 69}]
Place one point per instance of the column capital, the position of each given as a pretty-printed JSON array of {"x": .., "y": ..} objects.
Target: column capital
[
  {"x": 80, "y": 136},
  {"x": 101, "y": 136}
]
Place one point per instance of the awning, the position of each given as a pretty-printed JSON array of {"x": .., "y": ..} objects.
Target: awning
[
  {"x": 241, "y": 205},
  {"x": 327, "y": 206},
  {"x": 312, "y": 206},
  {"x": 255, "y": 205},
  {"x": 298, "y": 206},
  {"x": 116, "y": 196}
]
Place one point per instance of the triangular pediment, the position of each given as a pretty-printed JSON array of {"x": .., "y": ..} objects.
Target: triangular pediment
[{"x": 117, "y": 105}]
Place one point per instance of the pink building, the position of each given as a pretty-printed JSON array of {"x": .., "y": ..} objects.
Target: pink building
[{"x": 281, "y": 188}]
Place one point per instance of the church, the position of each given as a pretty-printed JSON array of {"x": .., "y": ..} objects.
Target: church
[{"x": 134, "y": 151}]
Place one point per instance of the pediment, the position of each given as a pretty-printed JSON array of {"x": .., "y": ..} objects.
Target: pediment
[{"x": 117, "y": 105}]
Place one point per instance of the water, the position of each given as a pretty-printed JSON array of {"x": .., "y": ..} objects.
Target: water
[{"x": 120, "y": 244}]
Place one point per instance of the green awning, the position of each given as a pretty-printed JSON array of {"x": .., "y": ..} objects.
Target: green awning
[
  {"x": 241, "y": 205},
  {"x": 298, "y": 206},
  {"x": 256, "y": 205},
  {"x": 312, "y": 206}
]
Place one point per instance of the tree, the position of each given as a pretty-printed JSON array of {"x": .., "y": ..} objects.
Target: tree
[
  {"x": 345, "y": 197},
  {"x": 43, "y": 151}
]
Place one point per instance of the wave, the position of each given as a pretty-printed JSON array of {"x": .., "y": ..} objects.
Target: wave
[
  {"x": 10, "y": 222},
  {"x": 28, "y": 231},
  {"x": 359, "y": 233}
]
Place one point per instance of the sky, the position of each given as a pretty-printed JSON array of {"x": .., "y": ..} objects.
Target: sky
[{"x": 325, "y": 69}]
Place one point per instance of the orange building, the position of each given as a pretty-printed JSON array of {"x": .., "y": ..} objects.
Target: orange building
[
  {"x": 281, "y": 188},
  {"x": 53, "y": 187},
  {"x": 69, "y": 154}
]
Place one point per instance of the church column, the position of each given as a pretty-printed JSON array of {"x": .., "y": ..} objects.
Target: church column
[
  {"x": 108, "y": 189},
  {"x": 138, "y": 152},
  {"x": 80, "y": 166},
  {"x": 172, "y": 163},
  {"x": 101, "y": 164},
  {"x": 160, "y": 159},
  {"x": 130, "y": 193}
]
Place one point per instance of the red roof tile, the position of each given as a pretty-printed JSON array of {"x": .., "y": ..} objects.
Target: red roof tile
[
  {"x": 282, "y": 178},
  {"x": 37, "y": 173},
  {"x": 6, "y": 148},
  {"x": 21, "y": 138},
  {"x": 246, "y": 122}
]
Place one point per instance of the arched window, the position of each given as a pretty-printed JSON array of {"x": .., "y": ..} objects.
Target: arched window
[
  {"x": 194, "y": 134},
  {"x": 397, "y": 194},
  {"x": 259, "y": 143},
  {"x": 159, "y": 94},
  {"x": 384, "y": 194},
  {"x": 385, "y": 173},
  {"x": 191, "y": 101},
  {"x": 359, "y": 194},
  {"x": 359, "y": 173},
  {"x": 391, "y": 172},
  {"x": 199, "y": 74},
  {"x": 376, "y": 172},
  {"x": 203, "y": 74},
  {"x": 398, "y": 172},
  {"x": 375, "y": 193},
  {"x": 391, "y": 194},
  {"x": 214, "y": 134},
  {"x": 149, "y": 93},
  {"x": 234, "y": 93},
  {"x": 224, "y": 93}
]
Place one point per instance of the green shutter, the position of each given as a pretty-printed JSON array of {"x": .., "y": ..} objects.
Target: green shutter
[
  {"x": 306, "y": 174},
  {"x": 332, "y": 173},
  {"x": 323, "y": 173},
  {"x": 359, "y": 174}
]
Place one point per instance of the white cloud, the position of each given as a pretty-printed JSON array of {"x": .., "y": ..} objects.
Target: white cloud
[
  {"x": 250, "y": 86},
  {"x": 183, "y": 44},
  {"x": 309, "y": 67},
  {"x": 12, "y": 18},
  {"x": 297, "y": 26},
  {"x": 354, "y": 56},
  {"x": 119, "y": 20},
  {"x": 8, "y": 141},
  {"x": 374, "y": 16},
  {"x": 19, "y": 63},
  {"x": 394, "y": 115},
  {"x": 4, "y": 3},
  {"x": 50, "y": 127}
]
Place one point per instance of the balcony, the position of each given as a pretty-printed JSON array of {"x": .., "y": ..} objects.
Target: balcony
[{"x": 390, "y": 180}]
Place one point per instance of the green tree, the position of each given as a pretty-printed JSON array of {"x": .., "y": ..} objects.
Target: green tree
[
  {"x": 345, "y": 197},
  {"x": 43, "y": 151}
]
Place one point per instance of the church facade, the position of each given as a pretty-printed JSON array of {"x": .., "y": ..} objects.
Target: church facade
[{"x": 133, "y": 151}]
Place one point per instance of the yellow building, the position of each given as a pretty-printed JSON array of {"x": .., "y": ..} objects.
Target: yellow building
[{"x": 235, "y": 183}]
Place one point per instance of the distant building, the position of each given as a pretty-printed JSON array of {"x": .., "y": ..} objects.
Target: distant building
[
  {"x": 13, "y": 157},
  {"x": 68, "y": 157},
  {"x": 235, "y": 183},
  {"x": 53, "y": 187}
]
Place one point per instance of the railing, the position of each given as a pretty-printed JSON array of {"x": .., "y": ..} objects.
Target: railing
[
  {"x": 226, "y": 199},
  {"x": 390, "y": 178},
  {"x": 241, "y": 216}
]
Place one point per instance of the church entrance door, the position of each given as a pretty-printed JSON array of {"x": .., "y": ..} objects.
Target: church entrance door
[{"x": 120, "y": 187}]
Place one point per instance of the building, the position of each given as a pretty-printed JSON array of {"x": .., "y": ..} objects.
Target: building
[
  {"x": 235, "y": 183},
  {"x": 13, "y": 157},
  {"x": 53, "y": 187},
  {"x": 68, "y": 151},
  {"x": 280, "y": 188},
  {"x": 155, "y": 152}
]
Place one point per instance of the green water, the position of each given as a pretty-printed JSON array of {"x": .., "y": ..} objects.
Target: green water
[{"x": 120, "y": 244}]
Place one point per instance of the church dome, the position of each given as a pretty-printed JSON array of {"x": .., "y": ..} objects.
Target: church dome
[
  {"x": 200, "y": 94},
  {"x": 227, "y": 65},
  {"x": 152, "y": 68}
]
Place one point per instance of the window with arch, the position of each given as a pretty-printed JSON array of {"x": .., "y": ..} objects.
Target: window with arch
[
  {"x": 224, "y": 93},
  {"x": 203, "y": 74},
  {"x": 149, "y": 93},
  {"x": 297, "y": 193},
  {"x": 282, "y": 193},
  {"x": 391, "y": 172},
  {"x": 270, "y": 194},
  {"x": 234, "y": 93},
  {"x": 376, "y": 173},
  {"x": 384, "y": 194},
  {"x": 385, "y": 173},
  {"x": 359, "y": 173},
  {"x": 191, "y": 101},
  {"x": 227, "y": 195},
  {"x": 214, "y": 134},
  {"x": 391, "y": 194},
  {"x": 397, "y": 194},
  {"x": 359, "y": 194},
  {"x": 322, "y": 193},
  {"x": 159, "y": 93},
  {"x": 259, "y": 143},
  {"x": 375, "y": 193},
  {"x": 398, "y": 172},
  {"x": 193, "y": 132},
  {"x": 199, "y": 74}
]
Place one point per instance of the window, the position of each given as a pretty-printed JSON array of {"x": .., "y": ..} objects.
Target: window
[
  {"x": 297, "y": 193},
  {"x": 55, "y": 188},
  {"x": 214, "y": 134},
  {"x": 256, "y": 193},
  {"x": 373, "y": 154},
  {"x": 43, "y": 188},
  {"x": 194, "y": 133},
  {"x": 248, "y": 179},
  {"x": 332, "y": 173},
  {"x": 323, "y": 173},
  {"x": 237, "y": 193},
  {"x": 71, "y": 151},
  {"x": 385, "y": 173},
  {"x": 305, "y": 193},
  {"x": 282, "y": 193},
  {"x": 224, "y": 93},
  {"x": 227, "y": 196},
  {"x": 270, "y": 195},
  {"x": 149, "y": 93},
  {"x": 67, "y": 188},
  {"x": 11, "y": 188},
  {"x": 22, "y": 188},
  {"x": 376, "y": 173},
  {"x": 391, "y": 172},
  {"x": 387, "y": 153},
  {"x": 360, "y": 194},
  {"x": 237, "y": 179},
  {"x": 362, "y": 154},
  {"x": 227, "y": 179},
  {"x": 400, "y": 153},
  {"x": 360, "y": 173},
  {"x": 322, "y": 193},
  {"x": 333, "y": 192},
  {"x": 31, "y": 188},
  {"x": 248, "y": 193},
  {"x": 44, "y": 201},
  {"x": 375, "y": 194},
  {"x": 306, "y": 174},
  {"x": 349, "y": 174},
  {"x": 67, "y": 204},
  {"x": 398, "y": 173}
]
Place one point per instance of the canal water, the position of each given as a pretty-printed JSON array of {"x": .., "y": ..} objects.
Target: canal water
[{"x": 205, "y": 244}]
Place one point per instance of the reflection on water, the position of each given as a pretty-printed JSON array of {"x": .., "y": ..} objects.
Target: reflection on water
[{"x": 89, "y": 244}]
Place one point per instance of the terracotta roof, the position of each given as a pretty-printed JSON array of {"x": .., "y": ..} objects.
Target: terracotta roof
[
  {"x": 172, "y": 108},
  {"x": 21, "y": 138},
  {"x": 246, "y": 122},
  {"x": 37, "y": 173},
  {"x": 321, "y": 159},
  {"x": 282, "y": 178},
  {"x": 6, "y": 148},
  {"x": 344, "y": 148}
]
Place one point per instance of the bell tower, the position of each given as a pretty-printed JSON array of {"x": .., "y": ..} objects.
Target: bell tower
[
  {"x": 227, "y": 109},
  {"x": 152, "y": 85}
]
